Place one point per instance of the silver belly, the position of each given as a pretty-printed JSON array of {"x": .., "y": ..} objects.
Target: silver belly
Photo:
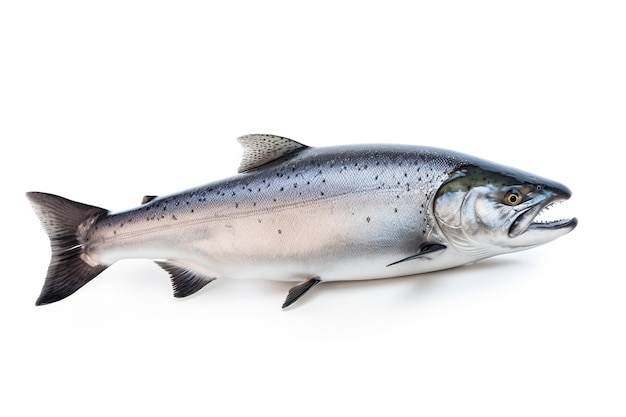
[{"x": 350, "y": 237}]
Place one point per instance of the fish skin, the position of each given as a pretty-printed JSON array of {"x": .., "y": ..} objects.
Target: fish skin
[{"x": 297, "y": 213}]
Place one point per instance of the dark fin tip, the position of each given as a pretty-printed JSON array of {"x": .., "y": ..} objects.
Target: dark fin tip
[
  {"x": 426, "y": 249},
  {"x": 66, "y": 275},
  {"x": 185, "y": 282},
  {"x": 295, "y": 293}
]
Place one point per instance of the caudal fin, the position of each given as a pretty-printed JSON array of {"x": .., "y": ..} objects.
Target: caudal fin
[{"x": 60, "y": 219}]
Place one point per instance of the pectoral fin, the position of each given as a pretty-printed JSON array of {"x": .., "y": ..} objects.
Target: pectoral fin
[
  {"x": 184, "y": 281},
  {"x": 426, "y": 249},
  {"x": 299, "y": 290}
]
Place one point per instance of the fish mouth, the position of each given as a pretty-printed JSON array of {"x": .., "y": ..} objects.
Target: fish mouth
[{"x": 541, "y": 218}]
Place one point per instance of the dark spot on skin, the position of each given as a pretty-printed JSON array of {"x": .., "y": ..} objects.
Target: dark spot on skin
[
  {"x": 322, "y": 193},
  {"x": 280, "y": 232},
  {"x": 282, "y": 188},
  {"x": 115, "y": 232},
  {"x": 368, "y": 220},
  {"x": 254, "y": 204},
  {"x": 192, "y": 210},
  {"x": 259, "y": 220},
  {"x": 274, "y": 200},
  {"x": 174, "y": 217},
  {"x": 236, "y": 205},
  {"x": 395, "y": 210}
]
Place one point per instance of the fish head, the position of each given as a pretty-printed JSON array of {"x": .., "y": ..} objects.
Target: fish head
[{"x": 487, "y": 209}]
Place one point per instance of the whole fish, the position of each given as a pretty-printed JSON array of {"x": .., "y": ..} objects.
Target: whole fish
[{"x": 310, "y": 215}]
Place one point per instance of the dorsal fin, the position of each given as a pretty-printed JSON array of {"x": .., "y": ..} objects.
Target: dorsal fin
[{"x": 259, "y": 150}]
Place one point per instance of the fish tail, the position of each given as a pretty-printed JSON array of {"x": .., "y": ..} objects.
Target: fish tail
[{"x": 69, "y": 268}]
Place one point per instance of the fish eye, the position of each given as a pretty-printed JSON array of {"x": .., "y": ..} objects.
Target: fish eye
[
  {"x": 513, "y": 197},
  {"x": 539, "y": 187}
]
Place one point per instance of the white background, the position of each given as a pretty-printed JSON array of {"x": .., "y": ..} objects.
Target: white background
[{"x": 103, "y": 102}]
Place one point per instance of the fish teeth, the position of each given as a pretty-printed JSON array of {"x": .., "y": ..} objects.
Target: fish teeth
[{"x": 554, "y": 212}]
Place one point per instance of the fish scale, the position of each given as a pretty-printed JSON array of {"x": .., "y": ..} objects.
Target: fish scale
[{"x": 305, "y": 214}]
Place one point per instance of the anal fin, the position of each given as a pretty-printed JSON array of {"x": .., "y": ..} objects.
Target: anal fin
[
  {"x": 425, "y": 250},
  {"x": 295, "y": 293},
  {"x": 184, "y": 281}
]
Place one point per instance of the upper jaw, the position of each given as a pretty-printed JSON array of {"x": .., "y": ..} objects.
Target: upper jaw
[{"x": 526, "y": 223}]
